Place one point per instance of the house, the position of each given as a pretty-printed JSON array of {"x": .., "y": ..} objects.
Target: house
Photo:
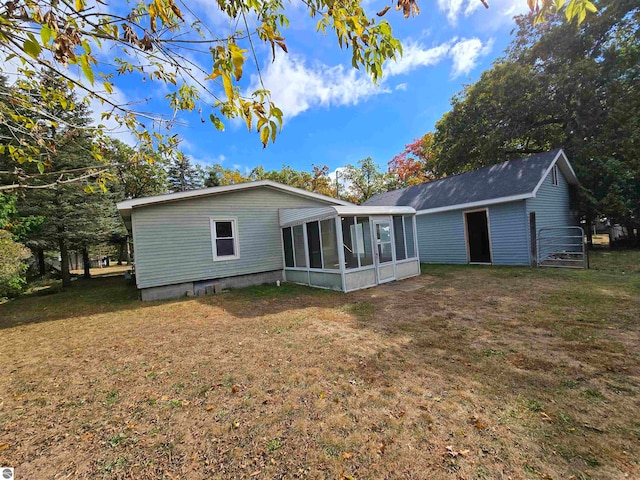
[
  {"x": 263, "y": 232},
  {"x": 491, "y": 215}
]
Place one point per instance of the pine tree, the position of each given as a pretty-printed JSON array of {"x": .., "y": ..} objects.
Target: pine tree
[
  {"x": 183, "y": 175},
  {"x": 74, "y": 217}
]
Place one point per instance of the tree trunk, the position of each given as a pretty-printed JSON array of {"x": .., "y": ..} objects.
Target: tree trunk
[
  {"x": 42, "y": 267},
  {"x": 589, "y": 232},
  {"x": 64, "y": 261},
  {"x": 86, "y": 263},
  {"x": 121, "y": 251}
]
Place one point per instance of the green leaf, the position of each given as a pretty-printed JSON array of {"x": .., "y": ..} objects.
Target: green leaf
[
  {"x": 41, "y": 167},
  {"x": 216, "y": 122},
  {"x": 264, "y": 136},
  {"x": 31, "y": 48},
  {"x": 86, "y": 68},
  {"x": 45, "y": 34}
]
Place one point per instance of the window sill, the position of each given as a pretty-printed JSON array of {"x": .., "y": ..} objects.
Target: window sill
[{"x": 223, "y": 259}]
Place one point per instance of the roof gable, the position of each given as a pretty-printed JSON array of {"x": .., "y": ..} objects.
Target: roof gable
[
  {"x": 503, "y": 182},
  {"x": 205, "y": 192}
]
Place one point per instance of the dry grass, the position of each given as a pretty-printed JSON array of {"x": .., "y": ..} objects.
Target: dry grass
[{"x": 469, "y": 372}]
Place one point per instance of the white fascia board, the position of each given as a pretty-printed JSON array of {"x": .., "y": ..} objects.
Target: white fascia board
[
  {"x": 480, "y": 203},
  {"x": 356, "y": 210},
  {"x": 374, "y": 210},
  {"x": 572, "y": 178},
  {"x": 172, "y": 197},
  {"x": 566, "y": 168}
]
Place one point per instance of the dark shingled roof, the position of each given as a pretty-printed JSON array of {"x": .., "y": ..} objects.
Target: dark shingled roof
[{"x": 514, "y": 177}]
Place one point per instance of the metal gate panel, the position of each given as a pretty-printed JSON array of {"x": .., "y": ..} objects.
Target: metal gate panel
[{"x": 561, "y": 247}]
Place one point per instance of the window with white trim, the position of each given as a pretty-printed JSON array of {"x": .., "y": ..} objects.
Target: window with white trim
[
  {"x": 554, "y": 175},
  {"x": 224, "y": 238}
]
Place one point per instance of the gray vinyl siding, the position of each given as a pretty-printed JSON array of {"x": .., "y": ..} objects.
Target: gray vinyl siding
[
  {"x": 552, "y": 203},
  {"x": 508, "y": 229},
  {"x": 173, "y": 240},
  {"x": 441, "y": 238}
]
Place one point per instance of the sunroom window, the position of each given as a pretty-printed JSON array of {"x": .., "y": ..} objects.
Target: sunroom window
[
  {"x": 313, "y": 243},
  {"x": 298, "y": 246},
  {"x": 329, "y": 245},
  {"x": 356, "y": 237},
  {"x": 287, "y": 240}
]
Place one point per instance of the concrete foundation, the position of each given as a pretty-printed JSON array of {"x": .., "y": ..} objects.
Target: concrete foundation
[
  {"x": 213, "y": 285},
  {"x": 166, "y": 291}
]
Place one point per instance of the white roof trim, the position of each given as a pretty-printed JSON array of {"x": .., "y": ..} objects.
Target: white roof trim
[
  {"x": 172, "y": 197},
  {"x": 374, "y": 210},
  {"x": 356, "y": 210},
  {"x": 566, "y": 168},
  {"x": 479, "y": 203}
]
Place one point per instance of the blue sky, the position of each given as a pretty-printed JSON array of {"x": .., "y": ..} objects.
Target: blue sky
[{"x": 334, "y": 115}]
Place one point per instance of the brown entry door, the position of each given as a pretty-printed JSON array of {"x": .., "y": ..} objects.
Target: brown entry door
[{"x": 478, "y": 237}]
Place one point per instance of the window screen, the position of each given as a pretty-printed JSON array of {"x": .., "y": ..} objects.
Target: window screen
[
  {"x": 411, "y": 242},
  {"x": 313, "y": 242},
  {"x": 399, "y": 236},
  {"x": 349, "y": 243},
  {"x": 366, "y": 252},
  {"x": 298, "y": 246},
  {"x": 287, "y": 241},
  {"x": 329, "y": 244}
]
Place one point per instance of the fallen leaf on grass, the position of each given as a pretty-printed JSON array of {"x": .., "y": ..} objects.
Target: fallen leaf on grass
[
  {"x": 546, "y": 417},
  {"x": 4, "y": 446},
  {"x": 454, "y": 453},
  {"x": 209, "y": 408},
  {"x": 347, "y": 455},
  {"x": 480, "y": 426},
  {"x": 86, "y": 436}
]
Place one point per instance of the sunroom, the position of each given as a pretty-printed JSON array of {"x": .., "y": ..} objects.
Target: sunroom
[{"x": 347, "y": 248}]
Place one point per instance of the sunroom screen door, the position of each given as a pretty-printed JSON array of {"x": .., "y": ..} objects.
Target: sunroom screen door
[{"x": 384, "y": 250}]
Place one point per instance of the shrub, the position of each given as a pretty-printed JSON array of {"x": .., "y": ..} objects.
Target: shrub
[{"x": 12, "y": 266}]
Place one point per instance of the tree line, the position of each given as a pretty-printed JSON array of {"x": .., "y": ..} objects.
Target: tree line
[{"x": 557, "y": 85}]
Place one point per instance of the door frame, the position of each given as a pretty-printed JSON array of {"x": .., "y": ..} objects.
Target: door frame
[
  {"x": 466, "y": 236},
  {"x": 533, "y": 239},
  {"x": 392, "y": 263}
]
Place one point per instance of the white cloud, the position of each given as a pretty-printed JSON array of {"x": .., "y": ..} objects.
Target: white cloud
[
  {"x": 296, "y": 87},
  {"x": 414, "y": 56},
  {"x": 465, "y": 55},
  {"x": 472, "y": 6},
  {"x": 451, "y": 8}
]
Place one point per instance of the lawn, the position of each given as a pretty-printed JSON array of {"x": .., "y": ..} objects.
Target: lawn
[{"x": 464, "y": 372}]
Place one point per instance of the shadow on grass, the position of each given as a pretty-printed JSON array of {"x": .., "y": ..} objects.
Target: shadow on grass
[{"x": 107, "y": 294}]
